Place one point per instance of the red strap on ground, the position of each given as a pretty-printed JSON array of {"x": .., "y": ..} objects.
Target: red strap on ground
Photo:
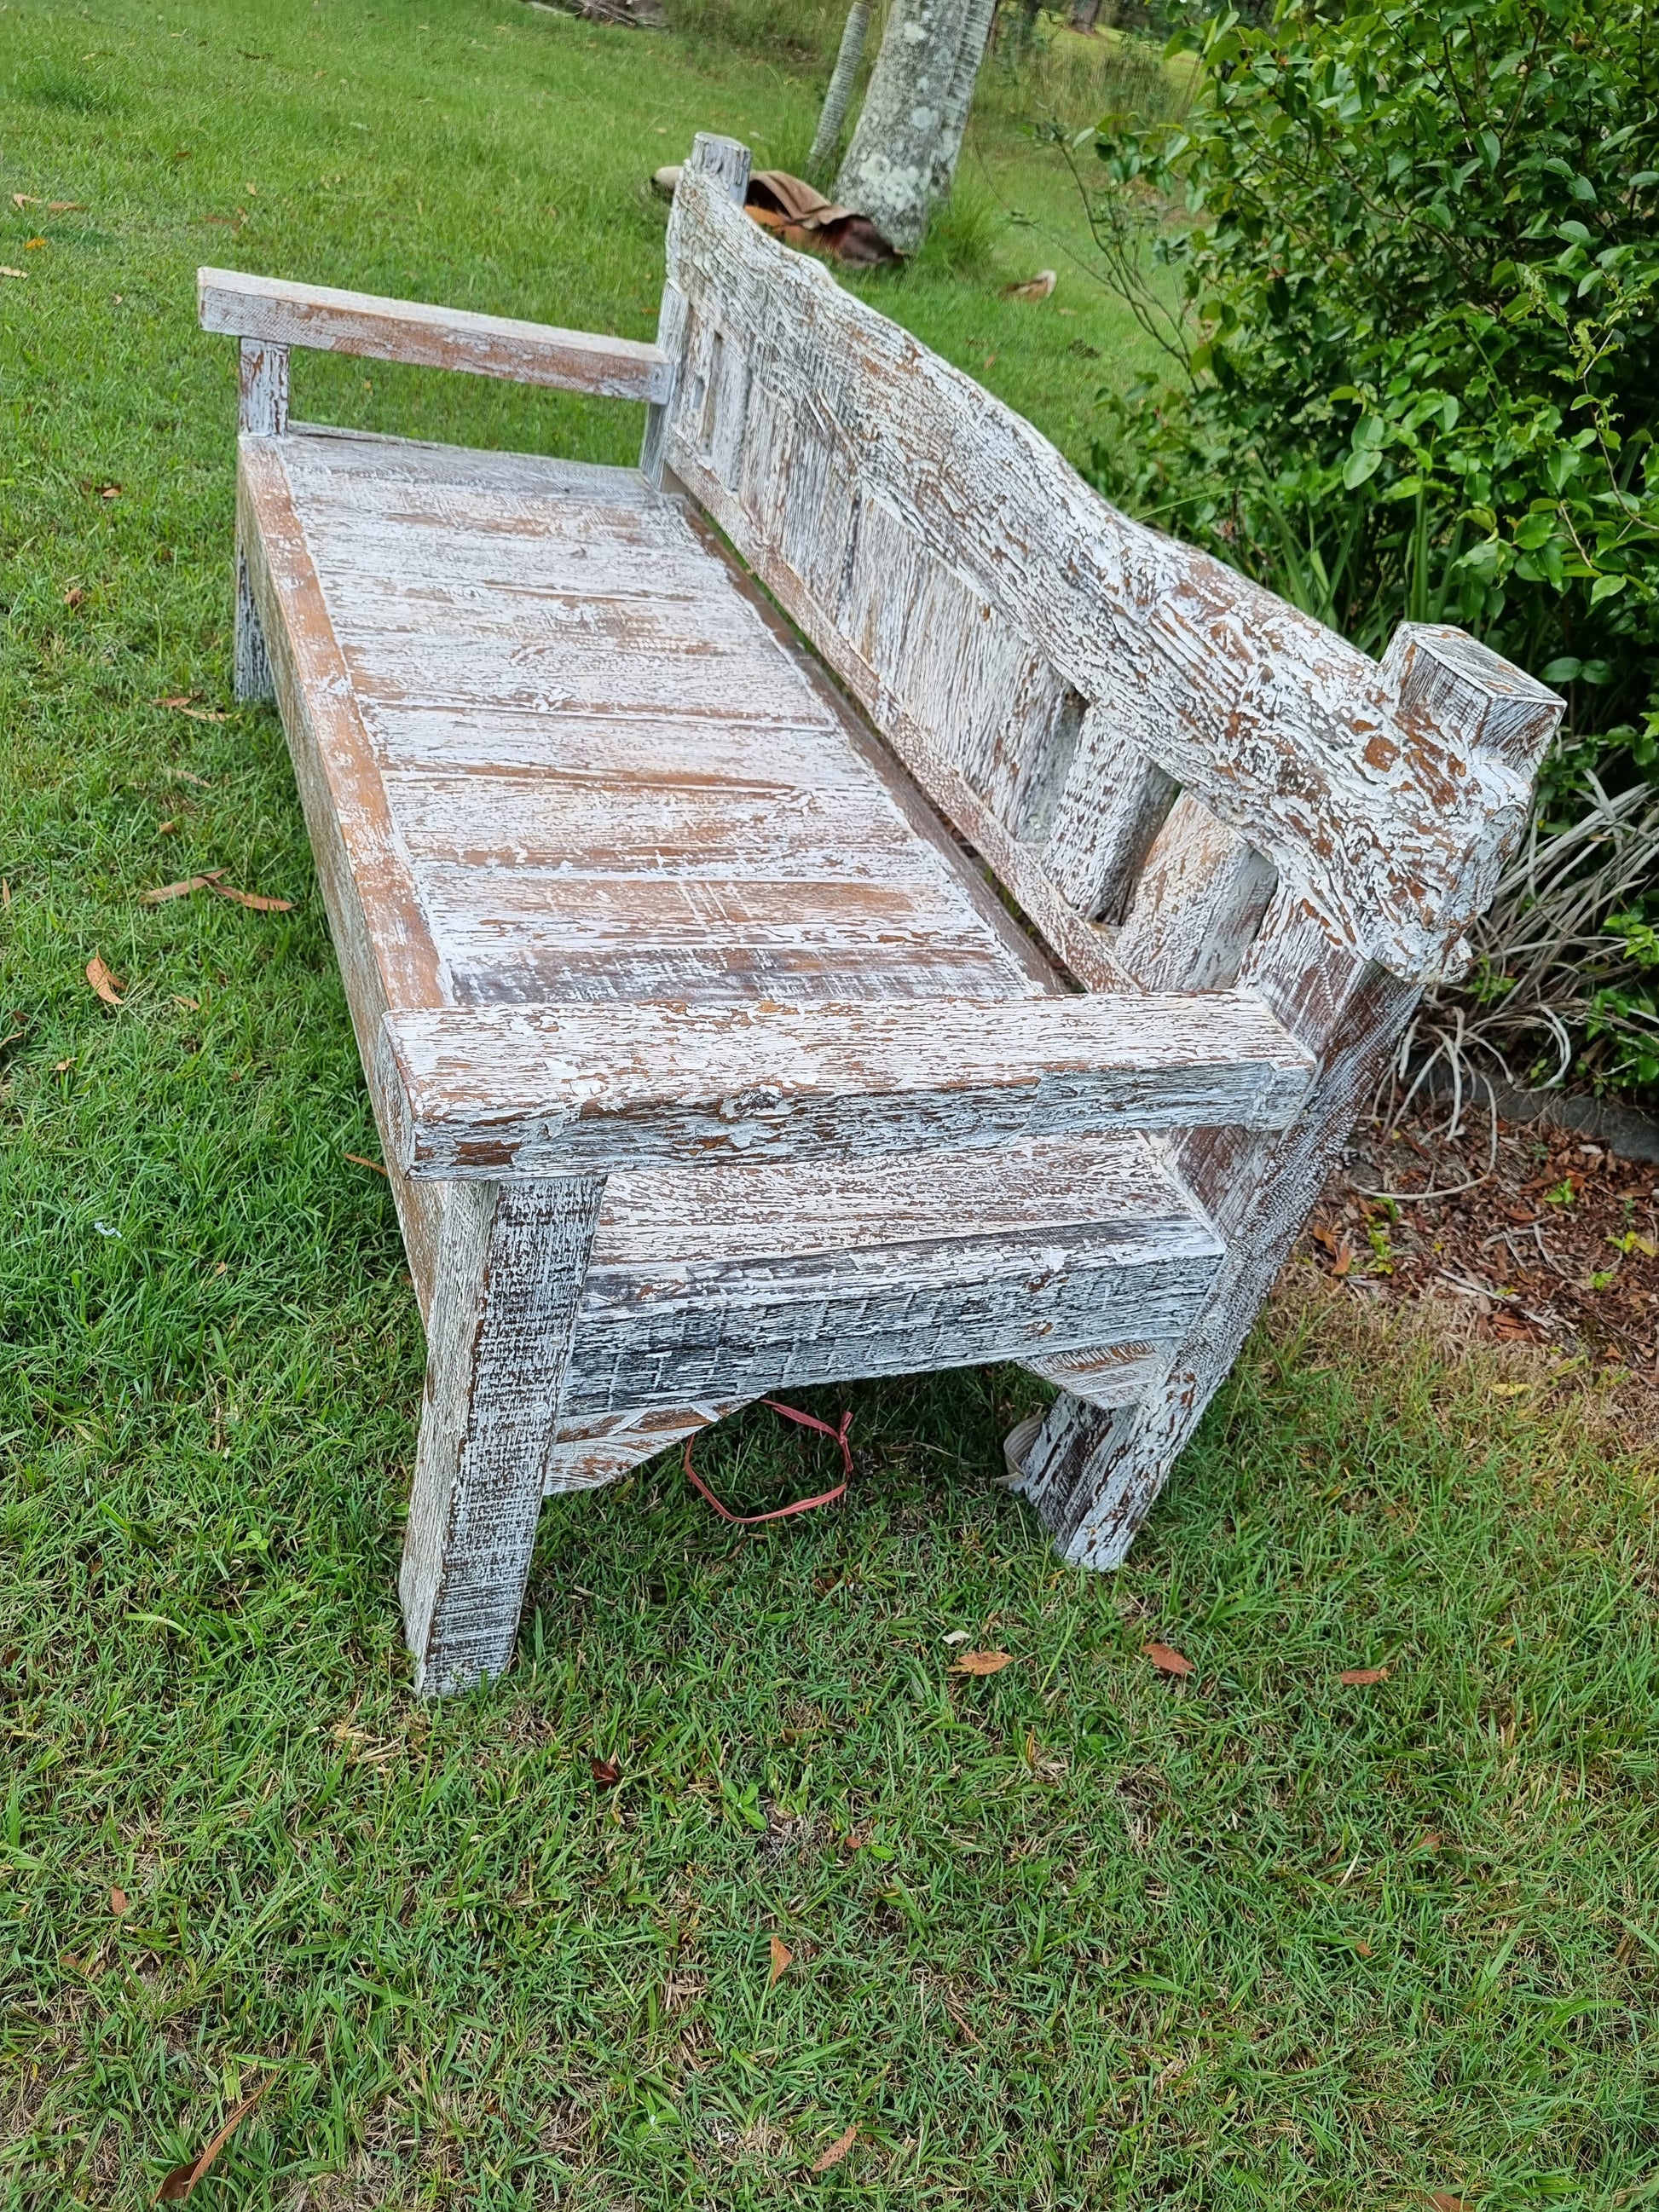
[{"x": 801, "y": 1505}]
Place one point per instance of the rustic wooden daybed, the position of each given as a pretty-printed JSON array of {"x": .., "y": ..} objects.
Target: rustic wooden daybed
[{"x": 706, "y": 1059}]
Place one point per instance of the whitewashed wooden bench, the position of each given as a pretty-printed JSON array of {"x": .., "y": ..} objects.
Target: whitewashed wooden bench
[{"x": 706, "y": 1058}]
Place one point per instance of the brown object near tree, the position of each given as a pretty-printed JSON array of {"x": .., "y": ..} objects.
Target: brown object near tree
[{"x": 706, "y": 1060}]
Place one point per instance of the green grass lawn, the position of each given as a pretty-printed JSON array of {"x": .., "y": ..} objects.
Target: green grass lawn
[{"x": 1069, "y": 1936}]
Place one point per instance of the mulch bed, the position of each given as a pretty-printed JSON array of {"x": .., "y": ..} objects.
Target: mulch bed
[{"x": 1546, "y": 1239}]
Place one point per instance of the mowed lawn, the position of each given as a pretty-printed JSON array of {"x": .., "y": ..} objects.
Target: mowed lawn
[{"x": 1072, "y": 1935}]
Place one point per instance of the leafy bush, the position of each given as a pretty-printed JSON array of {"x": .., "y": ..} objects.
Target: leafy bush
[{"x": 1414, "y": 301}]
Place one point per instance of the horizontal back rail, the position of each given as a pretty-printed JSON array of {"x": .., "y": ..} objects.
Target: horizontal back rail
[
  {"x": 1053, "y": 672},
  {"x": 266, "y": 311}
]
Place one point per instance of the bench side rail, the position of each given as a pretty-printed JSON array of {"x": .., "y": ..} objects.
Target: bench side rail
[
  {"x": 1053, "y": 673},
  {"x": 269, "y": 315},
  {"x": 510, "y": 1092}
]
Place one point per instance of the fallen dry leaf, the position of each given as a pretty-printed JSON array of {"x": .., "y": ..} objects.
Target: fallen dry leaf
[
  {"x": 606, "y": 1772},
  {"x": 24, "y": 199},
  {"x": 5, "y": 271},
  {"x": 358, "y": 1161},
  {"x": 33, "y": 244},
  {"x": 119, "y": 1902},
  {"x": 66, "y": 207},
  {"x": 194, "y": 1005},
  {"x": 1036, "y": 288},
  {"x": 1442, "y": 2203},
  {"x": 1363, "y": 1948},
  {"x": 980, "y": 1663},
  {"x": 108, "y": 989},
  {"x": 1167, "y": 1659},
  {"x": 109, "y": 492},
  {"x": 782, "y": 1959},
  {"x": 837, "y": 2150},
  {"x": 183, "y": 2179},
  {"x": 1343, "y": 1260},
  {"x": 181, "y": 703},
  {"x": 257, "y": 900},
  {"x": 165, "y": 892},
  {"x": 1361, "y": 1678},
  {"x": 75, "y": 597}
]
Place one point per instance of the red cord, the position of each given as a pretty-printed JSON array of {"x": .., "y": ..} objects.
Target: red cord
[{"x": 801, "y": 1505}]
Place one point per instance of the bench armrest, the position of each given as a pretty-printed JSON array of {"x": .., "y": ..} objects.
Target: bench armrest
[
  {"x": 266, "y": 311},
  {"x": 511, "y": 1092}
]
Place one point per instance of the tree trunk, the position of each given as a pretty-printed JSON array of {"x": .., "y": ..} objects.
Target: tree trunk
[
  {"x": 915, "y": 113},
  {"x": 838, "y": 98},
  {"x": 976, "y": 19}
]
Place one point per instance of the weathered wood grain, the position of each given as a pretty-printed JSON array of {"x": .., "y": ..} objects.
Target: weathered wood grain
[
  {"x": 509, "y": 1280},
  {"x": 668, "y": 1321},
  {"x": 1197, "y": 904},
  {"x": 275, "y": 313},
  {"x": 386, "y": 953},
  {"x": 599, "y": 1449},
  {"x": 498, "y": 623},
  {"x": 919, "y": 492},
  {"x": 505, "y": 1092}
]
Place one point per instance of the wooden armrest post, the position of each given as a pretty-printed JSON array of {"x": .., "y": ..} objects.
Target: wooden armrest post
[
  {"x": 261, "y": 412},
  {"x": 726, "y": 160}
]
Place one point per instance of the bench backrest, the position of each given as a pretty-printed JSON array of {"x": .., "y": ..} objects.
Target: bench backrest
[{"x": 1136, "y": 738}]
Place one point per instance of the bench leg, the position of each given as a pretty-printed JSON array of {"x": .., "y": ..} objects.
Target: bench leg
[
  {"x": 512, "y": 1259},
  {"x": 1094, "y": 1476},
  {"x": 251, "y": 665}
]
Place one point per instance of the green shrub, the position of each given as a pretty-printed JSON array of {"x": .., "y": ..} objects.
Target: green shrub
[{"x": 1413, "y": 302}]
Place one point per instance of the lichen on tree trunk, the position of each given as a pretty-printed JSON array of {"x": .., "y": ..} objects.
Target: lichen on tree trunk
[{"x": 904, "y": 150}]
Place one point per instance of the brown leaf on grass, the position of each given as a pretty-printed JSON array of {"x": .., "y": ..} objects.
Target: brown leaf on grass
[
  {"x": 1036, "y": 288},
  {"x": 257, "y": 900},
  {"x": 606, "y": 1772},
  {"x": 1363, "y": 1948},
  {"x": 1167, "y": 1659},
  {"x": 837, "y": 2150},
  {"x": 1442, "y": 2203},
  {"x": 76, "y": 596},
  {"x": 782, "y": 1959},
  {"x": 1361, "y": 1678},
  {"x": 24, "y": 199},
  {"x": 66, "y": 207},
  {"x": 33, "y": 244},
  {"x": 358, "y": 1161},
  {"x": 182, "y": 704},
  {"x": 119, "y": 1902},
  {"x": 108, "y": 987},
  {"x": 1344, "y": 1259},
  {"x": 183, "y": 2179},
  {"x": 165, "y": 892},
  {"x": 980, "y": 1663}
]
